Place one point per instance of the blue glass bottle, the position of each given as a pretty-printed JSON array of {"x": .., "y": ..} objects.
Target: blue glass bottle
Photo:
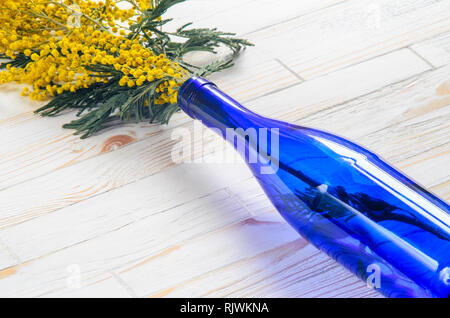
[{"x": 344, "y": 199}]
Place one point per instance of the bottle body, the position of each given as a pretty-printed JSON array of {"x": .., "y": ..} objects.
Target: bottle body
[{"x": 345, "y": 200}]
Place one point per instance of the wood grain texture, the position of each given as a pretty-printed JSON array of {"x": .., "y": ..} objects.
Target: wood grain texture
[
  {"x": 350, "y": 32},
  {"x": 114, "y": 216},
  {"x": 435, "y": 50},
  {"x": 6, "y": 259},
  {"x": 244, "y": 16}
]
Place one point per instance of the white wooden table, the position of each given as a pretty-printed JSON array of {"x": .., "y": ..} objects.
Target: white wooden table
[{"x": 114, "y": 216}]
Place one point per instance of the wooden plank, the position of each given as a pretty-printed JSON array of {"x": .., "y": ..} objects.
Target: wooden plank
[
  {"x": 337, "y": 88},
  {"x": 405, "y": 119},
  {"x": 195, "y": 10},
  {"x": 105, "y": 286},
  {"x": 6, "y": 260},
  {"x": 399, "y": 102},
  {"x": 351, "y": 32},
  {"x": 152, "y": 200},
  {"x": 294, "y": 269},
  {"x": 253, "y": 75},
  {"x": 200, "y": 9},
  {"x": 36, "y": 146},
  {"x": 443, "y": 190},
  {"x": 237, "y": 242},
  {"x": 241, "y": 16},
  {"x": 87, "y": 179},
  {"x": 435, "y": 50},
  {"x": 428, "y": 131},
  {"x": 429, "y": 168},
  {"x": 141, "y": 239}
]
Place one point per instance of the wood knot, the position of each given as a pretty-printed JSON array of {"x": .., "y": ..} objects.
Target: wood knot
[{"x": 115, "y": 142}]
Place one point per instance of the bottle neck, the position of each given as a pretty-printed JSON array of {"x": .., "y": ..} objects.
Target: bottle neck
[{"x": 202, "y": 100}]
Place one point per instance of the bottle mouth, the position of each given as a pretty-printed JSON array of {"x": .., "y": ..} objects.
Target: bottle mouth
[{"x": 187, "y": 92}]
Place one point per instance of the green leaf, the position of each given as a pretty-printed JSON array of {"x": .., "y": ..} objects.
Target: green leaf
[{"x": 104, "y": 104}]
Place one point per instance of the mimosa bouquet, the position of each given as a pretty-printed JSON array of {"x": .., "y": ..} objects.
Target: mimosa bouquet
[{"x": 110, "y": 60}]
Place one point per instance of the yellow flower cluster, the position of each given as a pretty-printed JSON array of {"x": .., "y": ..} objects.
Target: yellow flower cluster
[{"x": 73, "y": 44}]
